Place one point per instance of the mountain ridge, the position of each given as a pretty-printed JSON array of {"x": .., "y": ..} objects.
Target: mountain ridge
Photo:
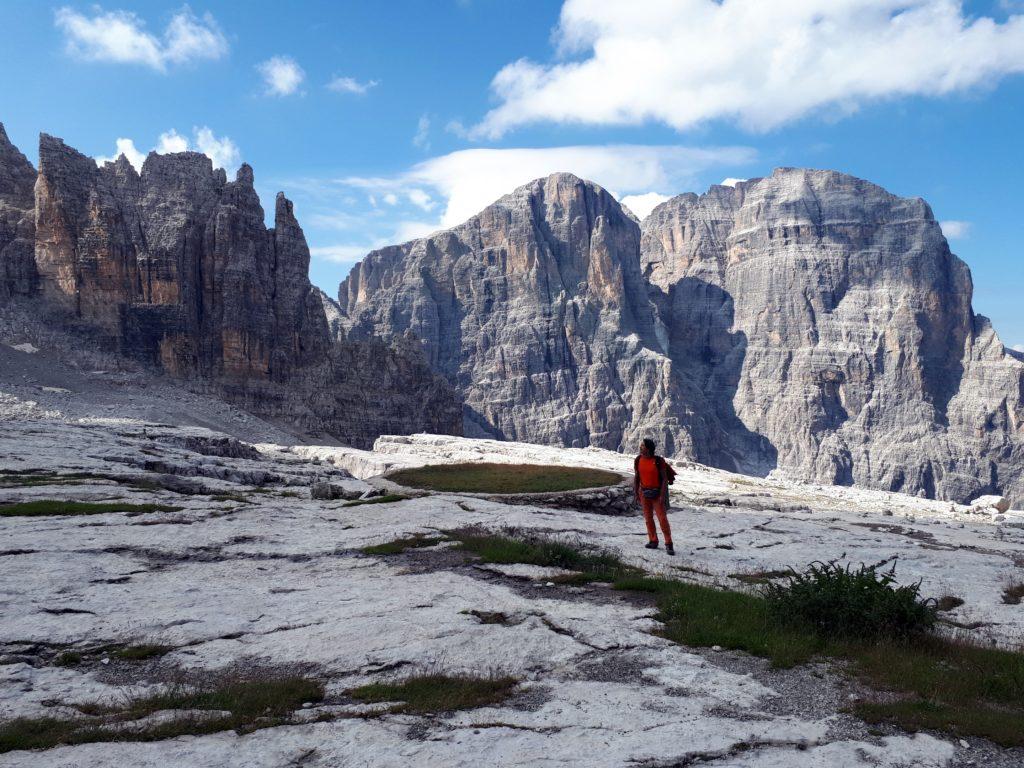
[{"x": 891, "y": 380}]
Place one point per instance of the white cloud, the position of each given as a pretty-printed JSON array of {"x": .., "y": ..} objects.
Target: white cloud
[
  {"x": 221, "y": 150},
  {"x": 373, "y": 212},
  {"x": 420, "y": 199},
  {"x": 170, "y": 141},
  {"x": 469, "y": 180},
  {"x": 127, "y": 148},
  {"x": 1018, "y": 347},
  {"x": 956, "y": 230},
  {"x": 340, "y": 254},
  {"x": 762, "y": 64},
  {"x": 282, "y": 75},
  {"x": 413, "y": 230},
  {"x": 350, "y": 85},
  {"x": 422, "y": 137},
  {"x": 121, "y": 37},
  {"x": 642, "y": 205},
  {"x": 731, "y": 182}
]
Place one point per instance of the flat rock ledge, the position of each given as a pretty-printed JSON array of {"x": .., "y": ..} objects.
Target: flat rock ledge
[{"x": 603, "y": 500}]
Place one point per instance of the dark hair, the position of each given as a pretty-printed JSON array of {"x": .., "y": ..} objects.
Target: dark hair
[{"x": 649, "y": 445}]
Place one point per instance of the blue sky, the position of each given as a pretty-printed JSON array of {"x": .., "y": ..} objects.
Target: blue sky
[{"x": 384, "y": 121}]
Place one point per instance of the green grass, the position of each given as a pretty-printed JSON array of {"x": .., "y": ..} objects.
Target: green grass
[
  {"x": 939, "y": 683},
  {"x": 437, "y": 692},
  {"x": 1001, "y": 726},
  {"x": 141, "y": 652},
  {"x": 44, "y": 507},
  {"x": 257, "y": 699},
  {"x": 759, "y": 577},
  {"x": 387, "y": 498},
  {"x": 700, "y": 616},
  {"x": 512, "y": 546},
  {"x": 503, "y": 478},
  {"x": 398, "y": 546},
  {"x": 68, "y": 659}
]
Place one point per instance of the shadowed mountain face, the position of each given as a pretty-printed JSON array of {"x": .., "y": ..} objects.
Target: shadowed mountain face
[
  {"x": 175, "y": 267},
  {"x": 537, "y": 312},
  {"x": 808, "y": 322}
]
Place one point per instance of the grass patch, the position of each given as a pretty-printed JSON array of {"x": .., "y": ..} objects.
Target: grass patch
[
  {"x": 45, "y": 507},
  {"x": 947, "y": 603},
  {"x": 503, "y": 478},
  {"x": 398, "y": 546},
  {"x": 387, "y": 498},
  {"x": 700, "y": 616},
  {"x": 1014, "y": 593},
  {"x": 880, "y": 629},
  {"x": 141, "y": 652},
  {"x": 513, "y": 546},
  {"x": 759, "y": 577},
  {"x": 489, "y": 617},
  {"x": 257, "y": 698},
  {"x": 68, "y": 659},
  {"x": 437, "y": 692}
]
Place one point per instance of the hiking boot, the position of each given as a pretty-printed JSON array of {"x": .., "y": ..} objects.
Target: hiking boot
[
  {"x": 651, "y": 545},
  {"x": 669, "y": 549}
]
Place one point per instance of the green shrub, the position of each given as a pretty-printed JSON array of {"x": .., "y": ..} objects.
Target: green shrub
[{"x": 838, "y": 602}]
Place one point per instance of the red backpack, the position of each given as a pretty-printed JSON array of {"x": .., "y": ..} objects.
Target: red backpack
[{"x": 663, "y": 466}]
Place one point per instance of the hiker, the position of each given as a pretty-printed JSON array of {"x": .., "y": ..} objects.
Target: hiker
[{"x": 651, "y": 477}]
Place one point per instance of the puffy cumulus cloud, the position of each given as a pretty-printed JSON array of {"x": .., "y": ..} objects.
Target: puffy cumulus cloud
[
  {"x": 127, "y": 148},
  {"x": 469, "y": 180},
  {"x": 642, "y": 205},
  {"x": 762, "y": 64},
  {"x": 282, "y": 75},
  {"x": 350, "y": 85},
  {"x": 171, "y": 141},
  {"x": 955, "y": 230},
  {"x": 121, "y": 37},
  {"x": 444, "y": 191},
  {"x": 731, "y": 182},
  {"x": 221, "y": 150}
]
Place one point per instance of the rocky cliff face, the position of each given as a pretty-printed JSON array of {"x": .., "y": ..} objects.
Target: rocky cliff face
[
  {"x": 175, "y": 266},
  {"x": 17, "y": 221},
  {"x": 809, "y": 323},
  {"x": 536, "y": 310},
  {"x": 856, "y": 353}
]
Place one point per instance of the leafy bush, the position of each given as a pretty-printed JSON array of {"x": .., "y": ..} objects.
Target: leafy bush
[{"x": 839, "y": 602}]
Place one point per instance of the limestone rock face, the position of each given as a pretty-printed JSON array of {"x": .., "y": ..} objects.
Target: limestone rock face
[
  {"x": 536, "y": 310},
  {"x": 175, "y": 267},
  {"x": 17, "y": 179},
  {"x": 808, "y": 323},
  {"x": 851, "y": 345}
]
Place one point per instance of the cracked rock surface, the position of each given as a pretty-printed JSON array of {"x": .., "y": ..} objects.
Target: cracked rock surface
[{"x": 265, "y": 572}]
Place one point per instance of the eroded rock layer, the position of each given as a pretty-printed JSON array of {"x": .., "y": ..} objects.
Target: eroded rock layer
[
  {"x": 176, "y": 268},
  {"x": 809, "y": 323}
]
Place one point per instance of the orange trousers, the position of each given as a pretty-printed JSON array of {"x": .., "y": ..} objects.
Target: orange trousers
[{"x": 654, "y": 507}]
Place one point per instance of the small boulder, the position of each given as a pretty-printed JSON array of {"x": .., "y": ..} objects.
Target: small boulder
[{"x": 988, "y": 504}]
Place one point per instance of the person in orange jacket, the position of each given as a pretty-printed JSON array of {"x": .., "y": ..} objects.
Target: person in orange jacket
[{"x": 650, "y": 486}]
